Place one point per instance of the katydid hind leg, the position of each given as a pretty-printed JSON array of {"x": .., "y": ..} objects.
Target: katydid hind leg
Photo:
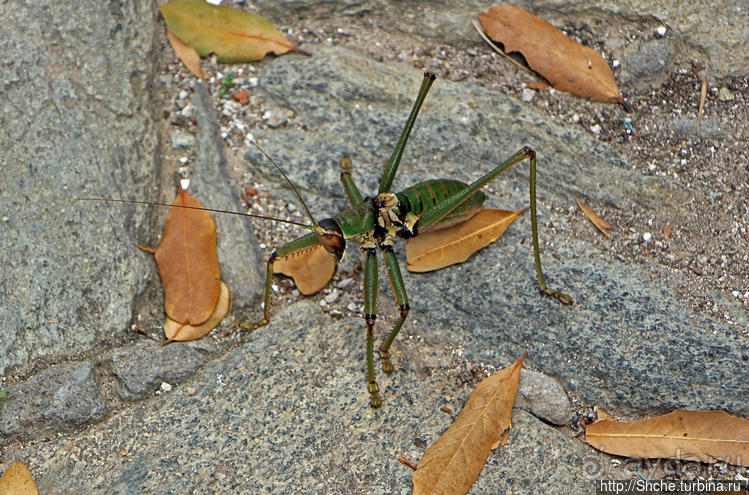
[
  {"x": 434, "y": 215},
  {"x": 401, "y": 298},
  {"x": 388, "y": 175}
]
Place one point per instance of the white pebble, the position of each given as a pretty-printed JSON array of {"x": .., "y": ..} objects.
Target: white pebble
[
  {"x": 528, "y": 95},
  {"x": 253, "y": 82},
  {"x": 647, "y": 236},
  {"x": 165, "y": 387},
  {"x": 660, "y": 31},
  {"x": 332, "y": 297},
  {"x": 595, "y": 129},
  {"x": 183, "y": 94}
]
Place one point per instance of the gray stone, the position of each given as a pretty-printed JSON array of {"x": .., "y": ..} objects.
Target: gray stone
[
  {"x": 627, "y": 343},
  {"x": 182, "y": 139},
  {"x": 651, "y": 62},
  {"x": 60, "y": 398},
  {"x": 142, "y": 366},
  {"x": 288, "y": 412},
  {"x": 242, "y": 268},
  {"x": 688, "y": 127},
  {"x": 74, "y": 122},
  {"x": 543, "y": 397}
]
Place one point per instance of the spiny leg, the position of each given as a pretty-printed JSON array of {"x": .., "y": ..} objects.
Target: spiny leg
[
  {"x": 433, "y": 216},
  {"x": 386, "y": 181},
  {"x": 293, "y": 247},
  {"x": 399, "y": 289},
  {"x": 354, "y": 196},
  {"x": 370, "y": 309}
]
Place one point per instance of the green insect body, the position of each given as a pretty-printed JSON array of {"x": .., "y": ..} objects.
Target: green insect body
[{"x": 374, "y": 222}]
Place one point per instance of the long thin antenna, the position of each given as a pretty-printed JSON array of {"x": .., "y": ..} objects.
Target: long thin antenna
[
  {"x": 251, "y": 215},
  {"x": 293, "y": 187}
]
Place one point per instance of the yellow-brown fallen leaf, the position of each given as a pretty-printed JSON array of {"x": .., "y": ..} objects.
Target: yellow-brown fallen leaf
[
  {"x": 452, "y": 463},
  {"x": 311, "y": 269},
  {"x": 188, "y": 263},
  {"x": 566, "y": 64},
  {"x": 705, "y": 436},
  {"x": 599, "y": 222},
  {"x": 440, "y": 248},
  {"x": 233, "y": 35},
  {"x": 17, "y": 480},
  {"x": 180, "y": 332},
  {"x": 186, "y": 54}
]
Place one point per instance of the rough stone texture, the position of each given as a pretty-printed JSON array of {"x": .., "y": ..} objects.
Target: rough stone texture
[
  {"x": 543, "y": 397},
  {"x": 626, "y": 343},
  {"x": 719, "y": 36},
  {"x": 142, "y": 366},
  {"x": 58, "y": 399},
  {"x": 267, "y": 418},
  {"x": 238, "y": 251},
  {"x": 74, "y": 121}
]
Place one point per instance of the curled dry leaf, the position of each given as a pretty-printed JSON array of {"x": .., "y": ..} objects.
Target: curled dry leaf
[
  {"x": 188, "y": 263},
  {"x": 233, "y": 35},
  {"x": 566, "y": 64},
  {"x": 186, "y": 54},
  {"x": 705, "y": 436},
  {"x": 599, "y": 222},
  {"x": 440, "y": 248},
  {"x": 311, "y": 269},
  {"x": 181, "y": 332},
  {"x": 17, "y": 480},
  {"x": 452, "y": 463}
]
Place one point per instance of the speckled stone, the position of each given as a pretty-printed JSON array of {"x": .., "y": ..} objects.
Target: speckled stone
[{"x": 59, "y": 398}]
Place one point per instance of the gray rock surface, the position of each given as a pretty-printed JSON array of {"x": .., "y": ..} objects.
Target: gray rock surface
[
  {"x": 286, "y": 410},
  {"x": 142, "y": 366},
  {"x": 543, "y": 397},
  {"x": 75, "y": 121},
  {"x": 268, "y": 418},
  {"x": 619, "y": 346},
  {"x": 59, "y": 398}
]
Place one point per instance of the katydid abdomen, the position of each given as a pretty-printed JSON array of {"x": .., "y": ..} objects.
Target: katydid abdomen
[{"x": 425, "y": 196}]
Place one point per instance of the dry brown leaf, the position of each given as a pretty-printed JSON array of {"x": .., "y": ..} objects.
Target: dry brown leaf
[
  {"x": 566, "y": 64},
  {"x": 599, "y": 222},
  {"x": 311, "y": 269},
  {"x": 17, "y": 480},
  {"x": 188, "y": 263},
  {"x": 667, "y": 231},
  {"x": 186, "y": 54},
  {"x": 705, "y": 436},
  {"x": 440, "y": 248},
  {"x": 234, "y": 35},
  {"x": 452, "y": 463},
  {"x": 180, "y": 332}
]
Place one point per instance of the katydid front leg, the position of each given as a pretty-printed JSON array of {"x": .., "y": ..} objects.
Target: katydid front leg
[
  {"x": 294, "y": 247},
  {"x": 433, "y": 216}
]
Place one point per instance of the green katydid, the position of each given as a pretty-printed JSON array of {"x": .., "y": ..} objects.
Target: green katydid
[{"x": 373, "y": 222}]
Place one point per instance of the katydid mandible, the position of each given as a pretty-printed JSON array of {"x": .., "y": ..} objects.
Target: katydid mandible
[{"x": 374, "y": 222}]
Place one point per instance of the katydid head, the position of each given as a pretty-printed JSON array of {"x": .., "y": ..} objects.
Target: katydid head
[{"x": 331, "y": 237}]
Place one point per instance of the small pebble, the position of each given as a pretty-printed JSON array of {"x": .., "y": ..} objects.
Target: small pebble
[
  {"x": 595, "y": 129},
  {"x": 183, "y": 94},
  {"x": 165, "y": 387},
  {"x": 528, "y": 95},
  {"x": 660, "y": 31},
  {"x": 647, "y": 236},
  {"x": 332, "y": 297}
]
